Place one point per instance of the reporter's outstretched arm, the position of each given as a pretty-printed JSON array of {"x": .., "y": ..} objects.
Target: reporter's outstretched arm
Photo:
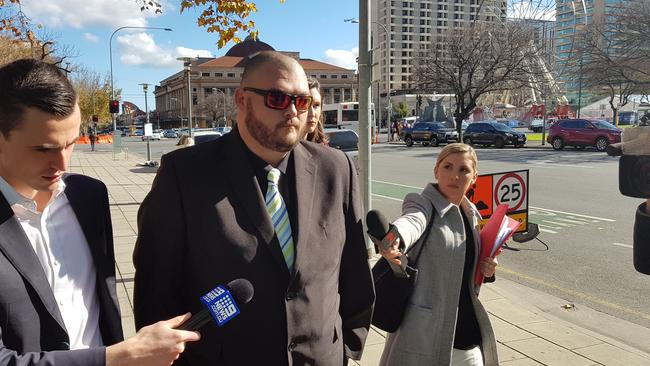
[{"x": 154, "y": 345}]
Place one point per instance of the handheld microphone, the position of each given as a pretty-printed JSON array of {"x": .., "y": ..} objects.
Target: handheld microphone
[
  {"x": 380, "y": 228},
  {"x": 221, "y": 304}
]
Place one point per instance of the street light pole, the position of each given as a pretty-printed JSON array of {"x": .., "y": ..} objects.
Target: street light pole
[
  {"x": 145, "y": 87},
  {"x": 110, "y": 53},
  {"x": 187, "y": 64},
  {"x": 388, "y": 108}
]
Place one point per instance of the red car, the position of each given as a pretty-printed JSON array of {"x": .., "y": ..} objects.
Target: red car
[{"x": 581, "y": 133}]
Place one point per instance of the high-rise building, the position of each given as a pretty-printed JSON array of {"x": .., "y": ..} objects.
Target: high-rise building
[
  {"x": 416, "y": 26},
  {"x": 572, "y": 18},
  {"x": 544, "y": 37}
]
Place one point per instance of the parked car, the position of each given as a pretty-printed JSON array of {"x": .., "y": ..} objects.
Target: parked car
[
  {"x": 581, "y": 133},
  {"x": 154, "y": 136},
  {"x": 428, "y": 133},
  {"x": 205, "y": 136},
  {"x": 170, "y": 134},
  {"x": 493, "y": 133},
  {"x": 223, "y": 129},
  {"x": 346, "y": 141}
]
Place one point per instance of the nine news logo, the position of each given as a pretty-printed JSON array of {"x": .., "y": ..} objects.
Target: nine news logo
[{"x": 221, "y": 305}]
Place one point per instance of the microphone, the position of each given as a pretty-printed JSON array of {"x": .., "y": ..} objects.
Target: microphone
[
  {"x": 221, "y": 304},
  {"x": 380, "y": 228}
]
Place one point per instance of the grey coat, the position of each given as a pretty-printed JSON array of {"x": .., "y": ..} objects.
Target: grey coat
[{"x": 426, "y": 334}]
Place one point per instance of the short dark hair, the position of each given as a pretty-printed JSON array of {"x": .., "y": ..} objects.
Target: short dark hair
[
  {"x": 276, "y": 58},
  {"x": 29, "y": 83}
]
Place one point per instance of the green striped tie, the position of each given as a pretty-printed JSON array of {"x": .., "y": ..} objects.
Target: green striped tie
[{"x": 280, "y": 217}]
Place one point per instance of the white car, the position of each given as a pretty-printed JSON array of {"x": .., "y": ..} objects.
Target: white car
[{"x": 154, "y": 136}]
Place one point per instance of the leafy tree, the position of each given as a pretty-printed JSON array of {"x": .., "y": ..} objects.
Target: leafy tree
[
  {"x": 94, "y": 92},
  {"x": 223, "y": 17},
  {"x": 401, "y": 110}
]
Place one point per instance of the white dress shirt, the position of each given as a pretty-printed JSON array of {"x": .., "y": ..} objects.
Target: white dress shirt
[{"x": 62, "y": 249}]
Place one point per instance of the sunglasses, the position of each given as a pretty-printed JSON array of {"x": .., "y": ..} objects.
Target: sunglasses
[{"x": 276, "y": 99}]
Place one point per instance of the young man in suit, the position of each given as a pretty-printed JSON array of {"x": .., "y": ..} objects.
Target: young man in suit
[
  {"x": 208, "y": 220},
  {"x": 58, "y": 304}
]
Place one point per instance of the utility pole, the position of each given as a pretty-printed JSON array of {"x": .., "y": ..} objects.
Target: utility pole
[{"x": 364, "y": 108}]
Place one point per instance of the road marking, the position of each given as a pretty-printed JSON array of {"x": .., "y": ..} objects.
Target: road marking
[
  {"x": 386, "y": 197},
  {"x": 576, "y": 222},
  {"x": 575, "y": 293},
  {"x": 399, "y": 185},
  {"x": 546, "y": 230},
  {"x": 573, "y": 214},
  {"x": 551, "y": 164},
  {"x": 549, "y": 226},
  {"x": 558, "y": 223},
  {"x": 622, "y": 245}
]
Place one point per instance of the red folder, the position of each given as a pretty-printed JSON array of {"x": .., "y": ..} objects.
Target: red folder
[{"x": 494, "y": 234}]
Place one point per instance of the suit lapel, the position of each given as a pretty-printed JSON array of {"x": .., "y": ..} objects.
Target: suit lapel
[
  {"x": 247, "y": 191},
  {"x": 305, "y": 179},
  {"x": 16, "y": 247}
]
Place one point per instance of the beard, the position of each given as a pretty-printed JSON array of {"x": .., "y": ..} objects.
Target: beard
[{"x": 281, "y": 137}]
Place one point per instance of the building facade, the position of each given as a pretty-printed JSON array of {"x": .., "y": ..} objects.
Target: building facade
[
  {"x": 214, "y": 80},
  {"x": 416, "y": 26},
  {"x": 572, "y": 18}
]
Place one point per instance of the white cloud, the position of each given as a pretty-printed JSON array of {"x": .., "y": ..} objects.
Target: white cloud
[
  {"x": 141, "y": 49},
  {"x": 91, "y": 37},
  {"x": 81, "y": 13},
  {"x": 342, "y": 58}
]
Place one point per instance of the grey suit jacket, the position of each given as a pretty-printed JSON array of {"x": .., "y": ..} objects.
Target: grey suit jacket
[
  {"x": 204, "y": 223},
  {"x": 32, "y": 331}
]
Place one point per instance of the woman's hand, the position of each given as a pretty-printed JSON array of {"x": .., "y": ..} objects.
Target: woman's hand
[
  {"x": 391, "y": 254},
  {"x": 489, "y": 266}
]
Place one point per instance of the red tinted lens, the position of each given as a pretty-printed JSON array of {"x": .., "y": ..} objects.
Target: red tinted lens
[
  {"x": 303, "y": 103},
  {"x": 277, "y": 100}
]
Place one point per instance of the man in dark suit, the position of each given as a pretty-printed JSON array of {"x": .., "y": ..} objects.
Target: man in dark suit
[
  {"x": 58, "y": 304},
  {"x": 207, "y": 221}
]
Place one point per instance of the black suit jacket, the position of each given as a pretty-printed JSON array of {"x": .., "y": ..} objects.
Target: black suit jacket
[
  {"x": 641, "y": 240},
  {"x": 32, "y": 331},
  {"x": 204, "y": 223}
]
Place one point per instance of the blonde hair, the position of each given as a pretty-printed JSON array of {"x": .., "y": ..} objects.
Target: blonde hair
[
  {"x": 185, "y": 141},
  {"x": 457, "y": 148}
]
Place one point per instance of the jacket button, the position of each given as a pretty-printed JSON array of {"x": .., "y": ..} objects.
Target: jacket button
[
  {"x": 292, "y": 345},
  {"x": 290, "y": 295}
]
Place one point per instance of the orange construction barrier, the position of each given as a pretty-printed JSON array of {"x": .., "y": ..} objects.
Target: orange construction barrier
[{"x": 83, "y": 140}]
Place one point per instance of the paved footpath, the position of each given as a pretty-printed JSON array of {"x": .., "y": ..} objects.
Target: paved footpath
[{"x": 532, "y": 328}]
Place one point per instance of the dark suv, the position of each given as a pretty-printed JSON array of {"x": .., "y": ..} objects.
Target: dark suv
[
  {"x": 428, "y": 133},
  {"x": 493, "y": 133},
  {"x": 581, "y": 133}
]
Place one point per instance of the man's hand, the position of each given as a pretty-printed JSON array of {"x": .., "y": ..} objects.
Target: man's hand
[
  {"x": 391, "y": 254},
  {"x": 155, "y": 345}
]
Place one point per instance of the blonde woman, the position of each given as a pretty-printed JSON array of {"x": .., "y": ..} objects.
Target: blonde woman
[{"x": 444, "y": 323}]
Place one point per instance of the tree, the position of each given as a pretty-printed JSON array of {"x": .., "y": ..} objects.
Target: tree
[
  {"x": 475, "y": 59},
  {"x": 212, "y": 108},
  {"x": 94, "y": 92},
  {"x": 401, "y": 110},
  {"x": 614, "y": 55},
  {"x": 224, "y": 17}
]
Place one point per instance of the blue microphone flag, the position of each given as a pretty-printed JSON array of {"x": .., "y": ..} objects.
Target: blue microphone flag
[{"x": 221, "y": 305}]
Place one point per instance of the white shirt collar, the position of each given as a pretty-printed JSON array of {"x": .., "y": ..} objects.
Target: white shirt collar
[{"x": 13, "y": 197}]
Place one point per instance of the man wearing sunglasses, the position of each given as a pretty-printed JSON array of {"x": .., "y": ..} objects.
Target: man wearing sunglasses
[{"x": 261, "y": 204}]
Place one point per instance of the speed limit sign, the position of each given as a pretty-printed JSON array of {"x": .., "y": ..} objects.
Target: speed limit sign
[{"x": 511, "y": 189}]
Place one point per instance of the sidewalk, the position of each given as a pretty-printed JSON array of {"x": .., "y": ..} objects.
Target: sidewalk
[{"x": 531, "y": 327}]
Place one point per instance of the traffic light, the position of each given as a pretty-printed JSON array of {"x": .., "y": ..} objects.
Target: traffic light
[{"x": 114, "y": 106}]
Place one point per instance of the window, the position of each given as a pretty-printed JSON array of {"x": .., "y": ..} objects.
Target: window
[
  {"x": 323, "y": 76},
  {"x": 334, "y": 76},
  {"x": 205, "y": 74},
  {"x": 231, "y": 74},
  {"x": 218, "y": 74},
  {"x": 344, "y": 76}
]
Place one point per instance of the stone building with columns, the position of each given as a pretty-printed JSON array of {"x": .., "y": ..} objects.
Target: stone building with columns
[{"x": 213, "y": 82}]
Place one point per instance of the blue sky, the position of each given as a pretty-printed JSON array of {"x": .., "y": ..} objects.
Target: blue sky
[{"x": 314, "y": 28}]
